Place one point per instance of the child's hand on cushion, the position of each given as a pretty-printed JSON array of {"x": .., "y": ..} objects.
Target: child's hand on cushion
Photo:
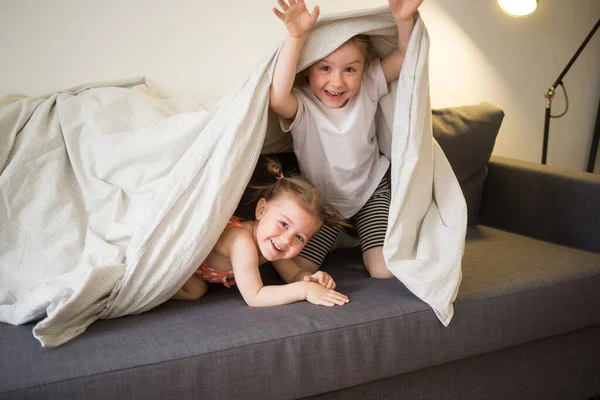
[
  {"x": 320, "y": 295},
  {"x": 322, "y": 278}
]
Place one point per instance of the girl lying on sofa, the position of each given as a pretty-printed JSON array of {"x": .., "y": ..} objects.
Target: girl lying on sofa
[{"x": 290, "y": 211}]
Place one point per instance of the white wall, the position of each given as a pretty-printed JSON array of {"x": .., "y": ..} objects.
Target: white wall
[
  {"x": 201, "y": 48},
  {"x": 478, "y": 53}
]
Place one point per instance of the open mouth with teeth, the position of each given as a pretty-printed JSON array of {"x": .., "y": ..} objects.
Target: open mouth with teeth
[
  {"x": 334, "y": 95},
  {"x": 278, "y": 248}
]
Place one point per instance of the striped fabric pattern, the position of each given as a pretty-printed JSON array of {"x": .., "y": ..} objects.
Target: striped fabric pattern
[
  {"x": 370, "y": 224},
  {"x": 112, "y": 196},
  {"x": 371, "y": 221}
]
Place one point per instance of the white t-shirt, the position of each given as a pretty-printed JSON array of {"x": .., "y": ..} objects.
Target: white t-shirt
[{"x": 337, "y": 148}]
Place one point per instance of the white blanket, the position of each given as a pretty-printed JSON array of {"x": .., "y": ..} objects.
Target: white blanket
[{"x": 111, "y": 196}]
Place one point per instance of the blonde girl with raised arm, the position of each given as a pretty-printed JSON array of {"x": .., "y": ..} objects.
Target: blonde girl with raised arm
[
  {"x": 331, "y": 116},
  {"x": 289, "y": 212}
]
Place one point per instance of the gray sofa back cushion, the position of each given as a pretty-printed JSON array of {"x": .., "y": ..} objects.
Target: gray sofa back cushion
[{"x": 467, "y": 135}]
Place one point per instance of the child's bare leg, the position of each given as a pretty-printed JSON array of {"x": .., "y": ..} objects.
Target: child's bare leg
[
  {"x": 193, "y": 289},
  {"x": 375, "y": 263},
  {"x": 306, "y": 265}
]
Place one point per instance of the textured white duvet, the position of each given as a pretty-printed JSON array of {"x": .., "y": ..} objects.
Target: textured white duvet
[{"x": 110, "y": 196}]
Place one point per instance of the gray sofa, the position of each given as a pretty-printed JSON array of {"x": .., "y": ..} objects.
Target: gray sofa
[{"x": 526, "y": 324}]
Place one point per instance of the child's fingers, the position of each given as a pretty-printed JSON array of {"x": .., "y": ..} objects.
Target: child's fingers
[
  {"x": 337, "y": 298},
  {"x": 326, "y": 297},
  {"x": 327, "y": 281},
  {"x": 315, "y": 14},
  {"x": 283, "y": 5},
  {"x": 333, "y": 295},
  {"x": 312, "y": 278},
  {"x": 278, "y": 13}
]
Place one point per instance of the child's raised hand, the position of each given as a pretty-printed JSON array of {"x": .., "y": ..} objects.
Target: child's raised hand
[
  {"x": 296, "y": 17},
  {"x": 322, "y": 278},
  {"x": 320, "y": 295},
  {"x": 404, "y": 9}
]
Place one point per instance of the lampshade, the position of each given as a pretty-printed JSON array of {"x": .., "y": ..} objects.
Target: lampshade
[{"x": 518, "y": 8}]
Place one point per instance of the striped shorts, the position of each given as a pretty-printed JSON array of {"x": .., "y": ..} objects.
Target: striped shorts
[{"x": 370, "y": 223}]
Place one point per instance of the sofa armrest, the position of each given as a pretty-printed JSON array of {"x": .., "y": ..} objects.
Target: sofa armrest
[{"x": 543, "y": 202}]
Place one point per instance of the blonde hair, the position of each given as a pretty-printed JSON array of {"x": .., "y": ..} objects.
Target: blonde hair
[
  {"x": 300, "y": 189},
  {"x": 364, "y": 44}
]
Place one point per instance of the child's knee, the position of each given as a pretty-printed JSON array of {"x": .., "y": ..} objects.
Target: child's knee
[
  {"x": 306, "y": 264},
  {"x": 199, "y": 289},
  {"x": 193, "y": 289},
  {"x": 375, "y": 263},
  {"x": 379, "y": 271}
]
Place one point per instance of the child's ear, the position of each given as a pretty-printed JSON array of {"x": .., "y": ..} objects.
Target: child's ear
[{"x": 261, "y": 208}]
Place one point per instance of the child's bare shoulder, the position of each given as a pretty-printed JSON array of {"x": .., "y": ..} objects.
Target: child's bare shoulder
[{"x": 234, "y": 237}]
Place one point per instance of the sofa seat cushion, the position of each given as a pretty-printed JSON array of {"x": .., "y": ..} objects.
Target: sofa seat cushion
[{"x": 514, "y": 290}]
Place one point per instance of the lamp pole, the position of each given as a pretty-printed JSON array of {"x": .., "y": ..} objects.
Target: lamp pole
[
  {"x": 549, "y": 93},
  {"x": 595, "y": 140}
]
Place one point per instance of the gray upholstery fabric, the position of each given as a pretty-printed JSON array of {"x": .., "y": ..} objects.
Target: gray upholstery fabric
[
  {"x": 467, "y": 135},
  {"x": 549, "y": 203},
  {"x": 220, "y": 348},
  {"x": 561, "y": 367}
]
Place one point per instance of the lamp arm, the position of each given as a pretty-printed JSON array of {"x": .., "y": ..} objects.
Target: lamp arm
[
  {"x": 549, "y": 93},
  {"x": 585, "y": 42}
]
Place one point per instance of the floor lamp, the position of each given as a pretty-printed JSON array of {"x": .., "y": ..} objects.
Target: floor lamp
[
  {"x": 549, "y": 93},
  {"x": 524, "y": 8}
]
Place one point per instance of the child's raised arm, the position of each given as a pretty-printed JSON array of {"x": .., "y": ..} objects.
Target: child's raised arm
[
  {"x": 298, "y": 22},
  {"x": 403, "y": 11}
]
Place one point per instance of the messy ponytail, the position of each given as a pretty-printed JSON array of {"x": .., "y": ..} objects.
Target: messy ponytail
[{"x": 299, "y": 188}]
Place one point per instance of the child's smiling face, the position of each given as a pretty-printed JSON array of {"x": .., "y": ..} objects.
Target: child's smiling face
[
  {"x": 283, "y": 227},
  {"x": 336, "y": 78}
]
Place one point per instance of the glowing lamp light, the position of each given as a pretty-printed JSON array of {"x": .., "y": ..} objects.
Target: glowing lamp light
[{"x": 518, "y": 8}]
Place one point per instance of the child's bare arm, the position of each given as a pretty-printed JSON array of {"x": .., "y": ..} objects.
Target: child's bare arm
[
  {"x": 282, "y": 101},
  {"x": 244, "y": 259},
  {"x": 292, "y": 272},
  {"x": 403, "y": 11},
  {"x": 298, "y": 22}
]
